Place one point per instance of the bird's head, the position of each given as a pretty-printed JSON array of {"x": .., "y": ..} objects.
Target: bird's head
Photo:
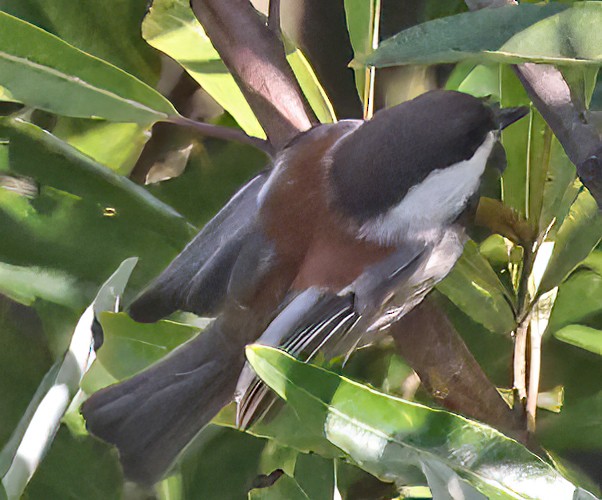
[{"x": 410, "y": 171}]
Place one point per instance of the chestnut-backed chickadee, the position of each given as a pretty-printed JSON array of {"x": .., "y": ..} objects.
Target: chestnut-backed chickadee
[{"x": 350, "y": 229}]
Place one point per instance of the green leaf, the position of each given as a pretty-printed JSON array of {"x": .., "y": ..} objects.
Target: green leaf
[
  {"x": 37, "y": 428},
  {"x": 220, "y": 463},
  {"x": 474, "y": 287},
  {"x": 551, "y": 33},
  {"x": 84, "y": 213},
  {"x": 315, "y": 476},
  {"x": 515, "y": 139},
  {"x": 585, "y": 337},
  {"x": 359, "y": 15},
  {"x": 26, "y": 284},
  {"x": 284, "y": 487},
  {"x": 6, "y": 96},
  {"x": 109, "y": 30},
  {"x": 172, "y": 28},
  {"x": 65, "y": 473},
  {"x": 214, "y": 172},
  {"x": 381, "y": 432},
  {"x": 24, "y": 361},
  {"x": 114, "y": 145},
  {"x": 579, "y": 234},
  {"x": 309, "y": 83},
  {"x": 74, "y": 83},
  {"x": 130, "y": 347},
  {"x": 578, "y": 301}
]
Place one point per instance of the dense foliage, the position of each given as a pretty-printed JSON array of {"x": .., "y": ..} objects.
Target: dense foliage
[{"x": 98, "y": 165}]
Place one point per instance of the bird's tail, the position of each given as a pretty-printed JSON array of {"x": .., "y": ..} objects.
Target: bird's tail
[{"x": 152, "y": 416}]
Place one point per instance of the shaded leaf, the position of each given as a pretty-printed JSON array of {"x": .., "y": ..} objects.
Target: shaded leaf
[
  {"x": 24, "y": 361},
  {"x": 475, "y": 288},
  {"x": 585, "y": 337},
  {"x": 82, "y": 212},
  {"x": 552, "y": 33},
  {"x": 579, "y": 234},
  {"x": 36, "y": 430},
  {"x": 66, "y": 472},
  {"x": 75, "y": 83},
  {"x": 379, "y": 432},
  {"x": 284, "y": 487},
  {"x": 214, "y": 172},
  {"x": 515, "y": 139},
  {"x": 172, "y": 28},
  {"x": 578, "y": 301},
  {"x": 220, "y": 463},
  {"x": 109, "y": 30},
  {"x": 130, "y": 347}
]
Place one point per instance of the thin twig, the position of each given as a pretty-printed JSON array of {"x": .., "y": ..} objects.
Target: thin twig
[{"x": 225, "y": 133}]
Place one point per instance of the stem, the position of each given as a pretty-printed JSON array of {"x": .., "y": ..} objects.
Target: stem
[
  {"x": 534, "y": 372},
  {"x": 520, "y": 360},
  {"x": 225, "y": 133}
]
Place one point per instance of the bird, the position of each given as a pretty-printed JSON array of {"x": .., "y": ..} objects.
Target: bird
[{"x": 351, "y": 227}]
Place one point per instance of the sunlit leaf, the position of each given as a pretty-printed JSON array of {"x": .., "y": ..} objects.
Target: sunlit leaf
[
  {"x": 40, "y": 422},
  {"x": 172, "y": 28},
  {"x": 585, "y": 337},
  {"x": 115, "y": 145},
  {"x": 26, "y": 284},
  {"x": 380, "y": 432},
  {"x": 309, "y": 83},
  {"x": 75, "y": 83}
]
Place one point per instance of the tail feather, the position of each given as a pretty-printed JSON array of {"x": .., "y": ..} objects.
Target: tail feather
[{"x": 152, "y": 416}]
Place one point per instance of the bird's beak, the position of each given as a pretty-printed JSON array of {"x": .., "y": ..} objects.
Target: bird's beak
[{"x": 507, "y": 116}]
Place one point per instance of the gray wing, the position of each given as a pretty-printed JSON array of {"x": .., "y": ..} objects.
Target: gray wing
[
  {"x": 317, "y": 321},
  {"x": 197, "y": 279}
]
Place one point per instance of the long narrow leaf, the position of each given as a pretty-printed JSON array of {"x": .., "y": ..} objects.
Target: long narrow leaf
[
  {"x": 43, "y": 71},
  {"x": 381, "y": 432},
  {"x": 552, "y": 33}
]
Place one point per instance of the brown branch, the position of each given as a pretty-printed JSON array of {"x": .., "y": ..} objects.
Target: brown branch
[
  {"x": 225, "y": 133},
  {"x": 256, "y": 58},
  {"x": 581, "y": 140},
  {"x": 551, "y": 95},
  {"x": 434, "y": 349}
]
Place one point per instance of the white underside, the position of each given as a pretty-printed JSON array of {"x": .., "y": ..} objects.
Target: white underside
[{"x": 430, "y": 206}]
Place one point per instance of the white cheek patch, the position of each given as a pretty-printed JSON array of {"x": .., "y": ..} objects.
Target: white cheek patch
[{"x": 430, "y": 206}]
